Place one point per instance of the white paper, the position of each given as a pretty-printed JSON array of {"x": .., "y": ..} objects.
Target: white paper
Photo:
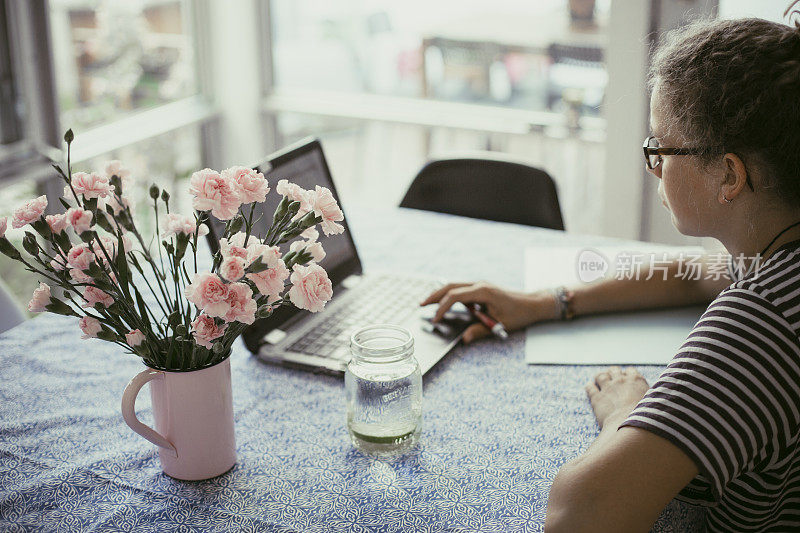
[{"x": 633, "y": 338}]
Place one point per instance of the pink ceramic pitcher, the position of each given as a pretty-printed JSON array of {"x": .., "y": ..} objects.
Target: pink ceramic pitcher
[{"x": 193, "y": 414}]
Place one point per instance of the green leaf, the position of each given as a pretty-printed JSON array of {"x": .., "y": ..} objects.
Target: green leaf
[
  {"x": 236, "y": 225},
  {"x": 59, "y": 307},
  {"x": 7, "y": 249},
  {"x": 183, "y": 242},
  {"x": 116, "y": 182},
  {"x": 62, "y": 240},
  {"x": 108, "y": 335},
  {"x": 90, "y": 204},
  {"x": 96, "y": 271},
  {"x": 122, "y": 267},
  {"x": 174, "y": 319},
  {"x": 257, "y": 266},
  {"x": 103, "y": 222},
  {"x": 136, "y": 264},
  {"x": 281, "y": 210},
  {"x": 42, "y": 228},
  {"x": 140, "y": 303}
]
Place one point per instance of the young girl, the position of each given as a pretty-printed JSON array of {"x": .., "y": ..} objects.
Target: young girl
[{"x": 721, "y": 426}]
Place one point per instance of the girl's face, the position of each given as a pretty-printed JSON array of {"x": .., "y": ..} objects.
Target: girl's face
[{"x": 684, "y": 185}]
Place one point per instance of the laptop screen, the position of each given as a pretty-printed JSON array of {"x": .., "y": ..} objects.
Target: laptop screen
[{"x": 303, "y": 164}]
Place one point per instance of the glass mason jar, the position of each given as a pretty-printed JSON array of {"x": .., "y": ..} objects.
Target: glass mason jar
[{"x": 383, "y": 384}]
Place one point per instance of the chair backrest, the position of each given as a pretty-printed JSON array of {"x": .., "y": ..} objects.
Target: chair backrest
[{"x": 490, "y": 189}]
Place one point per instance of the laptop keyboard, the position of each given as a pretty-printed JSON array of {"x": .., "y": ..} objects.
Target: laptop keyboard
[{"x": 376, "y": 300}]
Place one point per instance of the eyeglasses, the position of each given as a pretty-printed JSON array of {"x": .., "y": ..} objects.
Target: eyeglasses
[{"x": 653, "y": 152}]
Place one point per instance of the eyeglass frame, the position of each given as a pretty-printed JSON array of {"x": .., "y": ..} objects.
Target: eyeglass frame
[{"x": 661, "y": 151}]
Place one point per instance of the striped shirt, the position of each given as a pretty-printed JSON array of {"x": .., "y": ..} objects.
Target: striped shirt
[{"x": 730, "y": 399}]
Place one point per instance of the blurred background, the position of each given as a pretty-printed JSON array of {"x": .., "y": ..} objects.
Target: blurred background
[{"x": 172, "y": 86}]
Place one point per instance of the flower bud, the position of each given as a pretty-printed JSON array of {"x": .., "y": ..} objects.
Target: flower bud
[
  {"x": 7, "y": 249},
  {"x": 165, "y": 196},
  {"x": 236, "y": 224},
  {"x": 69, "y": 136},
  {"x": 30, "y": 244},
  {"x": 154, "y": 191},
  {"x": 116, "y": 182}
]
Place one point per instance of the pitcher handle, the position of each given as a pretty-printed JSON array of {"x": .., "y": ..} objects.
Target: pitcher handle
[{"x": 129, "y": 411}]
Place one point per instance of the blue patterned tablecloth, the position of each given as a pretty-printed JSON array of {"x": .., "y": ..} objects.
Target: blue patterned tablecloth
[{"x": 495, "y": 429}]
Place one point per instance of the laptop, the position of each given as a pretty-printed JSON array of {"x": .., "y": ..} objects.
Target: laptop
[{"x": 321, "y": 341}]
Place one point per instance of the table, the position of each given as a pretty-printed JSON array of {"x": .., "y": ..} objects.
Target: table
[{"x": 495, "y": 430}]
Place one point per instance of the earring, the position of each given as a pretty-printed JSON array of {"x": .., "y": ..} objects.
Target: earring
[{"x": 726, "y": 199}]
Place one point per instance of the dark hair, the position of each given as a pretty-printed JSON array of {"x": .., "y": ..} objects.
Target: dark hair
[{"x": 734, "y": 86}]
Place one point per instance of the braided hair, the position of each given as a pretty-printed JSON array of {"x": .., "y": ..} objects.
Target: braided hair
[{"x": 733, "y": 86}]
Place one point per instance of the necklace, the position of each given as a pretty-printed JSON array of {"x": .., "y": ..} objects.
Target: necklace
[{"x": 784, "y": 230}]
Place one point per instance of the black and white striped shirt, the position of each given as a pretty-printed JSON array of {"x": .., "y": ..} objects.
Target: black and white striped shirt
[{"x": 730, "y": 399}]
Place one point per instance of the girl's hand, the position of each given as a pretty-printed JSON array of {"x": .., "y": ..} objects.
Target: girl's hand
[
  {"x": 514, "y": 309},
  {"x": 615, "y": 391}
]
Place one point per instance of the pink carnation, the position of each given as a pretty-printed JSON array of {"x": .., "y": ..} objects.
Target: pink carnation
[
  {"x": 3, "y": 226},
  {"x": 250, "y": 184},
  {"x": 90, "y": 185},
  {"x": 312, "y": 247},
  {"x": 242, "y": 306},
  {"x": 325, "y": 206},
  {"x": 297, "y": 194},
  {"x": 232, "y": 268},
  {"x": 311, "y": 287},
  {"x": 214, "y": 192},
  {"x": 310, "y": 234},
  {"x": 115, "y": 205},
  {"x": 79, "y": 219},
  {"x": 206, "y": 330},
  {"x": 94, "y": 296},
  {"x": 270, "y": 281},
  {"x": 90, "y": 327},
  {"x": 114, "y": 168},
  {"x": 208, "y": 293},
  {"x": 57, "y": 223},
  {"x": 40, "y": 299},
  {"x": 80, "y": 257},
  {"x": 29, "y": 212},
  {"x": 234, "y": 247},
  {"x": 134, "y": 338},
  {"x": 78, "y": 276},
  {"x": 109, "y": 244},
  {"x": 174, "y": 223}
]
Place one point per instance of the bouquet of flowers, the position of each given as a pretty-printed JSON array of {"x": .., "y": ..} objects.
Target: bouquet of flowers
[{"x": 156, "y": 304}]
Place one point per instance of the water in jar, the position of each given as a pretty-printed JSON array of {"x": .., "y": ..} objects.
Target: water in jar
[
  {"x": 383, "y": 384},
  {"x": 385, "y": 415}
]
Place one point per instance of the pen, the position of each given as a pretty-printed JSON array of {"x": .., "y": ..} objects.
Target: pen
[{"x": 496, "y": 327}]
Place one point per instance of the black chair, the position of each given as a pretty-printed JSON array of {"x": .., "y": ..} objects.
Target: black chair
[{"x": 489, "y": 189}]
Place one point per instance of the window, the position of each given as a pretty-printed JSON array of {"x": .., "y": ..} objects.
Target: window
[
  {"x": 386, "y": 89},
  {"x": 114, "y": 58}
]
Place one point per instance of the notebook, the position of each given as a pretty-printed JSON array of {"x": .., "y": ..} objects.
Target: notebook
[
  {"x": 320, "y": 341},
  {"x": 631, "y": 338}
]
